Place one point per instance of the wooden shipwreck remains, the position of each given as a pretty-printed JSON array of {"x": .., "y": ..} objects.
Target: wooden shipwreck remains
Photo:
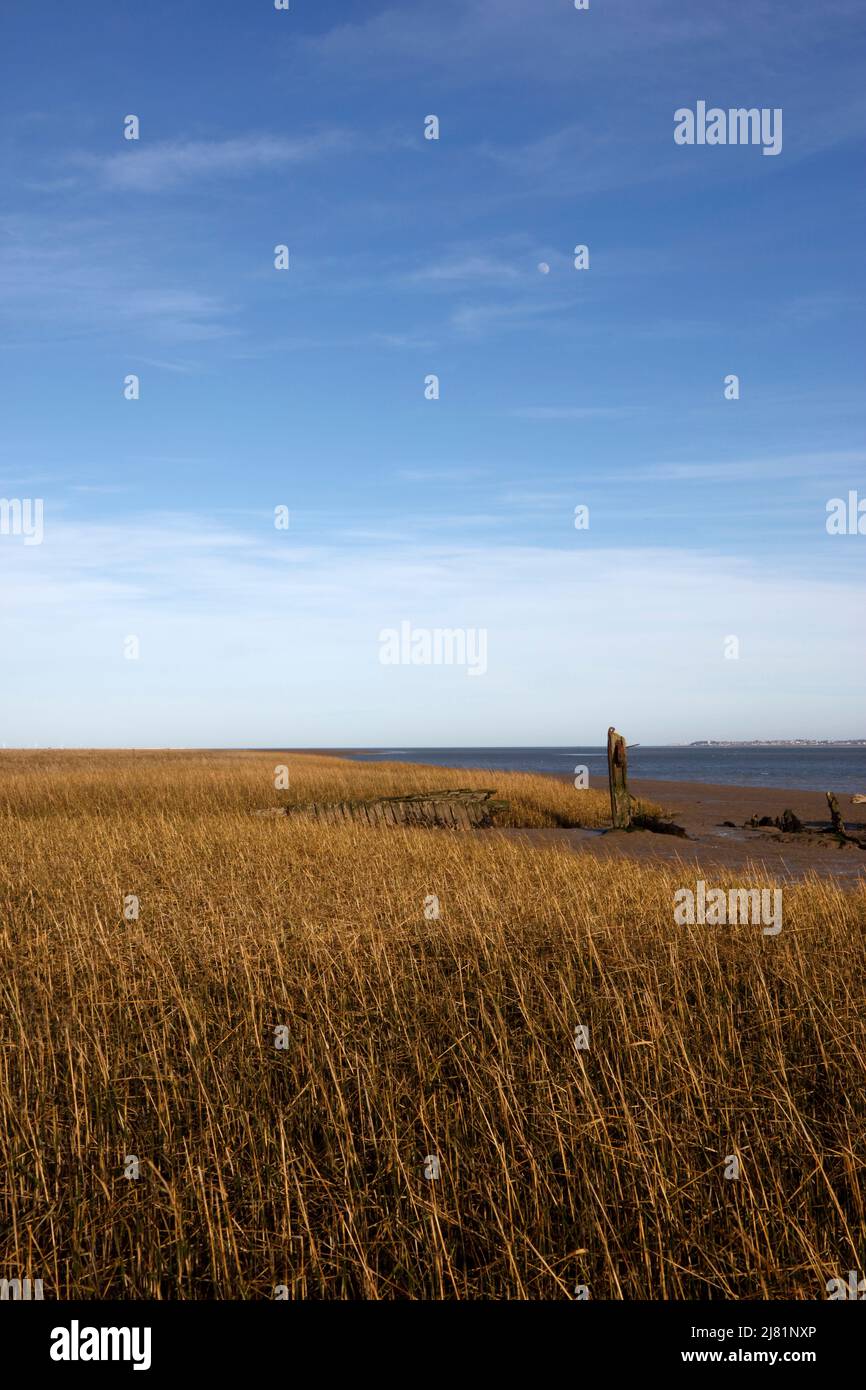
[{"x": 460, "y": 808}]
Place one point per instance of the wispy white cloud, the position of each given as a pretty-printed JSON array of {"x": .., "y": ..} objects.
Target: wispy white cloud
[
  {"x": 248, "y": 636},
  {"x": 100, "y": 489},
  {"x": 150, "y": 168},
  {"x": 472, "y": 268},
  {"x": 477, "y": 319},
  {"x": 806, "y": 465},
  {"x": 543, "y": 413},
  {"x": 93, "y": 290},
  {"x": 455, "y": 474},
  {"x": 537, "y": 501},
  {"x": 179, "y": 368},
  {"x": 395, "y": 341},
  {"x": 545, "y": 40}
]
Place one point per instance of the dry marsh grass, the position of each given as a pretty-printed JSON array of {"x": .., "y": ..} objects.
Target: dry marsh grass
[
  {"x": 45, "y": 783},
  {"x": 407, "y": 1037}
]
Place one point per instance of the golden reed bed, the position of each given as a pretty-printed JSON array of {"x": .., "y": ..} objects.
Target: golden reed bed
[{"x": 405, "y": 1036}]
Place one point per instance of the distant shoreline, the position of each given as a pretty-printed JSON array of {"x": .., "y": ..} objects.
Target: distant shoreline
[{"x": 773, "y": 743}]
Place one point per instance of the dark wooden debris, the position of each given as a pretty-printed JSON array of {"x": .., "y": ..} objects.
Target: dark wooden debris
[
  {"x": 790, "y": 824},
  {"x": 461, "y": 808},
  {"x": 659, "y": 825}
]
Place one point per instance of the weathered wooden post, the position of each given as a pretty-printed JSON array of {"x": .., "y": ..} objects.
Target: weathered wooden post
[
  {"x": 836, "y": 815},
  {"x": 617, "y": 772}
]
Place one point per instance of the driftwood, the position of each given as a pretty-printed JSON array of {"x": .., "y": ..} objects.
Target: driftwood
[
  {"x": 790, "y": 823},
  {"x": 617, "y": 771},
  {"x": 836, "y": 815},
  {"x": 839, "y": 827},
  {"x": 659, "y": 825},
  {"x": 459, "y": 809}
]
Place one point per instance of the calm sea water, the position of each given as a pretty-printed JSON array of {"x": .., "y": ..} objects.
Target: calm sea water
[{"x": 817, "y": 769}]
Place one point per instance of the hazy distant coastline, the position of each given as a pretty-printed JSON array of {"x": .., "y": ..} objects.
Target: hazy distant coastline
[{"x": 777, "y": 743}]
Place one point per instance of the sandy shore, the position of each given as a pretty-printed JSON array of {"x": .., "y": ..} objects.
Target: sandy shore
[{"x": 703, "y": 808}]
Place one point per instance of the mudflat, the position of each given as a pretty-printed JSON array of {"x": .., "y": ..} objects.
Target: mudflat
[{"x": 714, "y": 818}]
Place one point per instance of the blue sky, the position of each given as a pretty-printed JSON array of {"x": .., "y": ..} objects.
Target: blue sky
[{"x": 305, "y": 388}]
